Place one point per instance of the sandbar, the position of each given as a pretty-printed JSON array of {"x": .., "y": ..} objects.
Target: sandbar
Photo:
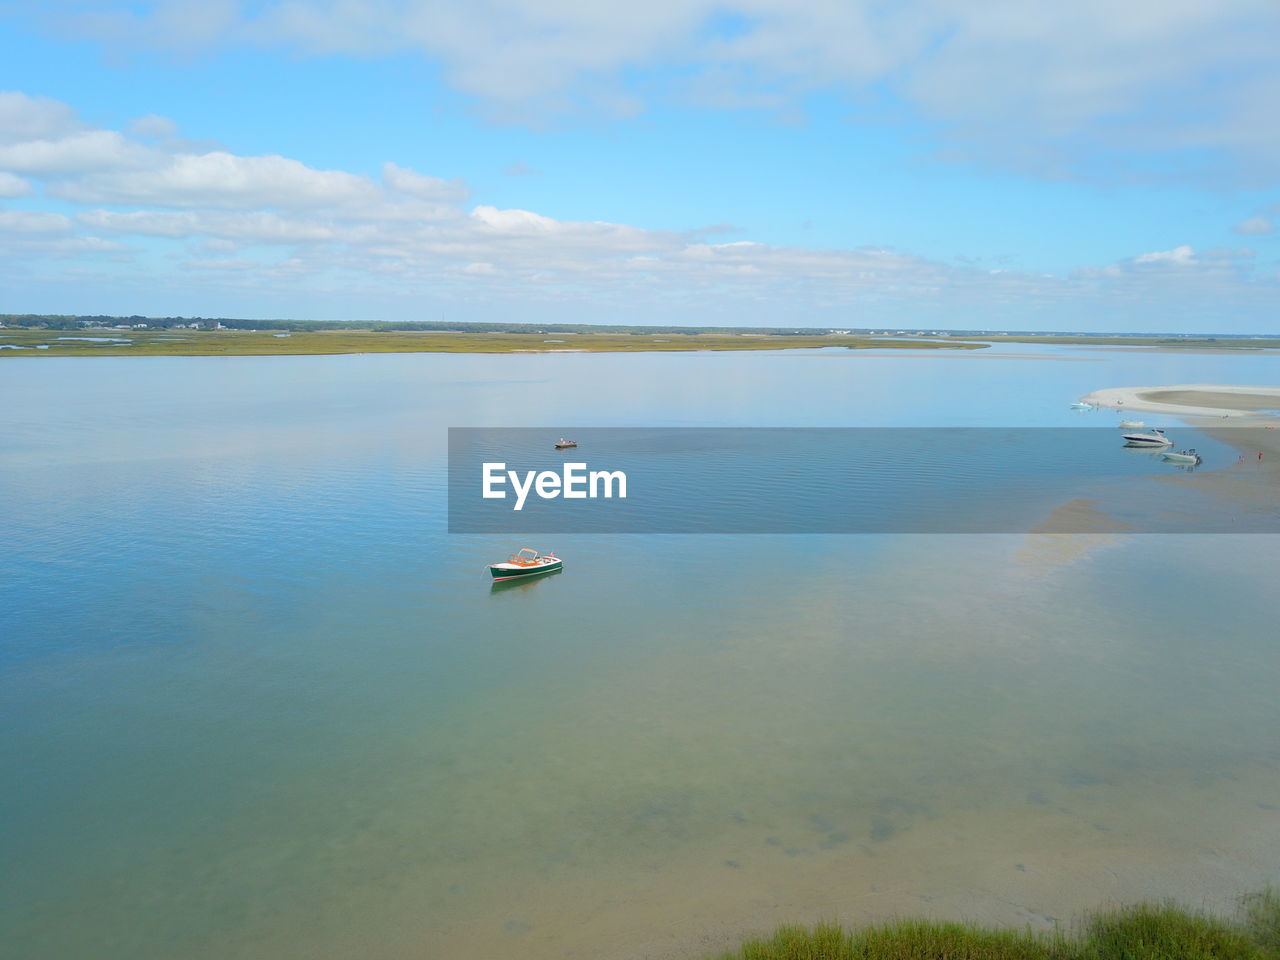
[
  {"x": 1191, "y": 399},
  {"x": 1251, "y": 427}
]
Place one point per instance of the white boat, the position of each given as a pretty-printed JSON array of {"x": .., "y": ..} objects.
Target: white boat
[
  {"x": 1155, "y": 438},
  {"x": 1182, "y": 456},
  {"x": 1131, "y": 424},
  {"x": 1081, "y": 405}
]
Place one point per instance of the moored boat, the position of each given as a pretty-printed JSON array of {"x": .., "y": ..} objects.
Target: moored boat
[
  {"x": 525, "y": 563},
  {"x": 563, "y": 444},
  {"x": 1132, "y": 424},
  {"x": 1081, "y": 405},
  {"x": 1182, "y": 456},
  {"x": 1155, "y": 438}
]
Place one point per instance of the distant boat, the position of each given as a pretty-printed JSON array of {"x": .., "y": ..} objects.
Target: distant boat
[
  {"x": 563, "y": 444},
  {"x": 1155, "y": 438},
  {"x": 1131, "y": 424},
  {"x": 1184, "y": 456},
  {"x": 1081, "y": 405},
  {"x": 525, "y": 563}
]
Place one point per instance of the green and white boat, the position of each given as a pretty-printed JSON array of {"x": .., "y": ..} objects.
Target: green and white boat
[{"x": 526, "y": 563}]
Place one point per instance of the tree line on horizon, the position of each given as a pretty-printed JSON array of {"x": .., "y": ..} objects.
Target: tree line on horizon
[{"x": 77, "y": 321}]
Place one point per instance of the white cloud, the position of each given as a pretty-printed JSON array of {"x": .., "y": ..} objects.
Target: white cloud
[
  {"x": 77, "y": 153},
  {"x": 1039, "y": 85},
  {"x": 16, "y": 247},
  {"x": 1182, "y": 256},
  {"x": 221, "y": 179},
  {"x": 521, "y": 223},
  {"x": 521, "y": 229},
  {"x": 433, "y": 189},
  {"x": 246, "y": 227},
  {"x": 1254, "y": 225},
  {"x": 143, "y": 222},
  {"x": 23, "y": 117},
  {"x": 11, "y": 186},
  {"x": 1168, "y": 287},
  {"x": 33, "y": 221},
  {"x": 182, "y": 25},
  {"x": 407, "y": 236},
  {"x": 153, "y": 126},
  {"x": 80, "y": 245},
  {"x": 229, "y": 264}
]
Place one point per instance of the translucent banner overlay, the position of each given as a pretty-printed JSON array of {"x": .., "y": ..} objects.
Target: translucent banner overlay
[{"x": 859, "y": 480}]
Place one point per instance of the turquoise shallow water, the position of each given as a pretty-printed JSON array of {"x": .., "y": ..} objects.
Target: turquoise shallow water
[{"x": 259, "y": 704}]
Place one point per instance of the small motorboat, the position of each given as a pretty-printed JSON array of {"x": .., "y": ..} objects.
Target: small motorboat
[
  {"x": 563, "y": 444},
  {"x": 525, "y": 563},
  {"x": 1131, "y": 425},
  {"x": 1081, "y": 405},
  {"x": 1155, "y": 438},
  {"x": 1182, "y": 456}
]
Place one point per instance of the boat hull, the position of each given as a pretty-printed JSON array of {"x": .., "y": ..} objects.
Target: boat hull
[
  {"x": 1146, "y": 440},
  {"x": 510, "y": 571}
]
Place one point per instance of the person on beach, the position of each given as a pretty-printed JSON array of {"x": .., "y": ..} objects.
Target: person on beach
[{"x": 1259, "y": 456}]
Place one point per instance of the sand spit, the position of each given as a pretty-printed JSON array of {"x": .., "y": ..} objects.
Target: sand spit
[
  {"x": 1251, "y": 482},
  {"x": 1190, "y": 400}
]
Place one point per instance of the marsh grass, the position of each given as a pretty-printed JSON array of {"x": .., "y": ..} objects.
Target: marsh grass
[
  {"x": 160, "y": 341},
  {"x": 1142, "y": 932},
  {"x": 1262, "y": 917},
  {"x": 205, "y": 343},
  {"x": 899, "y": 940}
]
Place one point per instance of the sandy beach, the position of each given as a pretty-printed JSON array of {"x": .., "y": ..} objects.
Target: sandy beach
[
  {"x": 1242, "y": 416},
  {"x": 1205, "y": 406},
  {"x": 1191, "y": 399}
]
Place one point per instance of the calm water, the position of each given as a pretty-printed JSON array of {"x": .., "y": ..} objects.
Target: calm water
[
  {"x": 258, "y": 704},
  {"x": 788, "y": 480}
]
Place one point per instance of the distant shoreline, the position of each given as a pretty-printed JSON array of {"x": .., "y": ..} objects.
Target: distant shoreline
[
  {"x": 175, "y": 341},
  {"x": 98, "y": 342}
]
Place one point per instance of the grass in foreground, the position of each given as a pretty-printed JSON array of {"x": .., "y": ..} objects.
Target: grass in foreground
[{"x": 1143, "y": 932}]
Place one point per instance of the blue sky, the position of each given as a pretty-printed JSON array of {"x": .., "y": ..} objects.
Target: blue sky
[{"x": 927, "y": 163}]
